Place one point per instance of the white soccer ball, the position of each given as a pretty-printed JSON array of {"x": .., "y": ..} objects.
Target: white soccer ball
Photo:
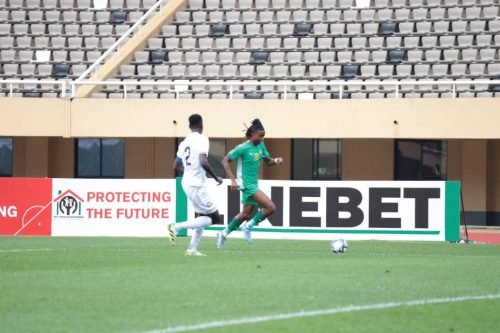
[{"x": 338, "y": 246}]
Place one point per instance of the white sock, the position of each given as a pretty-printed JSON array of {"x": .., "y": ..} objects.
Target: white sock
[
  {"x": 195, "y": 239},
  {"x": 199, "y": 222}
]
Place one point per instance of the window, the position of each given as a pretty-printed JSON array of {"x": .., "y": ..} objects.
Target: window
[
  {"x": 5, "y": 157},
  {"x": 217, "y": 151},
  {"x": 100, "y": 158},
  {"x": 421, "y": 160},
  {"x": 216, "y": 154},
  {"x": 316, "y": 159}
]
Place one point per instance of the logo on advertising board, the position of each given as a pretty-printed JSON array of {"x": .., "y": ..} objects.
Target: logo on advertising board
[
  {"x": 25, "y": 206},
  {"x": 385, "y": 210},
  {"x": 68, "y": 204}
]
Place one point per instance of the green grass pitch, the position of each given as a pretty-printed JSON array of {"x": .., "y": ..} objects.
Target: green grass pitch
[{"x": 139, "y": 285}]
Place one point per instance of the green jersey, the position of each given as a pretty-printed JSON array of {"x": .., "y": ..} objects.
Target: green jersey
[{"x": 248, "y": 157}]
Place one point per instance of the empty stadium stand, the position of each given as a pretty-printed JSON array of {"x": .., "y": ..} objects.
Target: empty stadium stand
[{"x": 251, "y": 48}]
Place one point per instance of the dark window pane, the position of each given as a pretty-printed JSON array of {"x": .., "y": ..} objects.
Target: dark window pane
[
  {"x": 302, "y": 159},
  {"x": 88, "y": 158},
  {"x": 100, "y": 158},
  {"x": 421, "y": 160},
  {"x": 328, "y": 159},
  {"x": 113, "y": 156},
  {"x": 434, "y": 160},
  {"x": 316, "y": 159},
  {"x": 216, "y": 154},
  {"x": 6, "y": 157},
  {"x": 408, "y": 160}
]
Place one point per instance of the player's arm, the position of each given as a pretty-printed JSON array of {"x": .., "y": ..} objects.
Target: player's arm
[
  {"x": 208, "y": 168},
  {"x": 178, "y": 167},
  {"x": 270, "y": 161},
  {"x": 226, "y": 163}
]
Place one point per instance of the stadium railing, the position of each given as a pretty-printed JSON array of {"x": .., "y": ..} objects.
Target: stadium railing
[
  {"x": 285, "y": 86},
  {"x": 122, "y": 39}
]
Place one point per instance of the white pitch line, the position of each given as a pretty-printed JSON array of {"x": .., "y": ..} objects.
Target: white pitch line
[
  {"x": 28, "y": 250},
  {"x": 79, "y": 249},
  {"x": 345, "y": 309}
]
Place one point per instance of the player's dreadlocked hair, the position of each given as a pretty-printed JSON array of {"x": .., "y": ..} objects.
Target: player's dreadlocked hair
[{"x": 256, "y": 126}]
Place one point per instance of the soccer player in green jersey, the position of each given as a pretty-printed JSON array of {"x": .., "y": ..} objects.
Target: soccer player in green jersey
[{"x": 248, "y": 156}]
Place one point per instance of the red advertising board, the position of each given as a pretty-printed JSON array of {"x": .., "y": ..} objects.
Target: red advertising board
[{"x": 25, "y": 206}]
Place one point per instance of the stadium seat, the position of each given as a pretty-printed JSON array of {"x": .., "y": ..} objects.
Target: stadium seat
[
  {"x": 414, "y": 56},
  {"x": 302, "y": 29},
  {"x": 407, "y": 27},
  {"x": 229, "y": 71},
  {"x": 403, "y": 70},
  {"x": 60, "y": 70},
  {"x": 477, "y": 70},
  {"x": 77, "y": 69},
  {"x": 344, "y": 56},
  {"x": 265, "y": 39},
  {"x": 76, "y": 56},
  {"x": 395, "y": 56},
  {"x": 294, "y": 57},
  {"x": 243, "y": 57},
  {"x": 450, "y": 55},
  {"x": 42, "y": 56},
  {"x": 337, "y": 28},
  {"x": 253, "y": 29},
  {"x": 258, "y": 58},
  {"x": 362, "y": 56},
  {"x": 433, "y": 55},
  {"x": 218, "y": 30},
  {"x": 316, "y": 71},
  {"x": 370, "y": 28},
  {"x": 253, "y": 95},
  {"x": 157, "y": 57},
  {"x": 368, "y": 71},
  {"x": 161, "y": 71},
  {"x": 349, "y": 71},
  {"x": 439, "y": 70},
  {"x": 393, "y": 41},
  {"x": 387, "y": 28}
]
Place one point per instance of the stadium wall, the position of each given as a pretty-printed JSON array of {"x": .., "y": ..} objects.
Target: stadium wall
[
  {"x": 476, "y": 163},
  {"x": 43, "y": 130},
  {"x": 464, "y": 118}
]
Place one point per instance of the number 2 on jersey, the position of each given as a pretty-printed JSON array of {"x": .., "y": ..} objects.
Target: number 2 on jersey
[{"x": 187, "y": 155}]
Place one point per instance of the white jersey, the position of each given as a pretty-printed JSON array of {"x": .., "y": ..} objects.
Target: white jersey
[{"x": 189, "y": 151}]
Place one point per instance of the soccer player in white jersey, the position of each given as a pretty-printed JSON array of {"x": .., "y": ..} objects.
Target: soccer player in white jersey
[{"x": 192, "y": 162}]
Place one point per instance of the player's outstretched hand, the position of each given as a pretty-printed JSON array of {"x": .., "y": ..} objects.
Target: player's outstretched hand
[{"x": 219, "y": 180}]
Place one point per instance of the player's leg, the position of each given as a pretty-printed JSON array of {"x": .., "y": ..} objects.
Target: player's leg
[
  {"x": 234, "y": 224},
  {"x": 193, "y": 245},
  {"x": 198, "y": 222},
  {"x": 238, "y": 219},
  {"x": 197, "y": 233},
  {"x": 268, "y": 208},
  {"x": 205, "y": 208},
  {"x": 248, "y": 205}
]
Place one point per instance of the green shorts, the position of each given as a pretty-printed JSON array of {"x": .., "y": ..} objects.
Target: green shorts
[{"x": 247, "y": 195}]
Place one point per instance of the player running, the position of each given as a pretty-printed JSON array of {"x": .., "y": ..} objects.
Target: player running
[
  {"x": 192, "y": 162},
  {"x": 248, "y": 156}
]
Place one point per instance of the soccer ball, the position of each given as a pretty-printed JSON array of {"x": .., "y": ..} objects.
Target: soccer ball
[{"x": 338, "y": 246}]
